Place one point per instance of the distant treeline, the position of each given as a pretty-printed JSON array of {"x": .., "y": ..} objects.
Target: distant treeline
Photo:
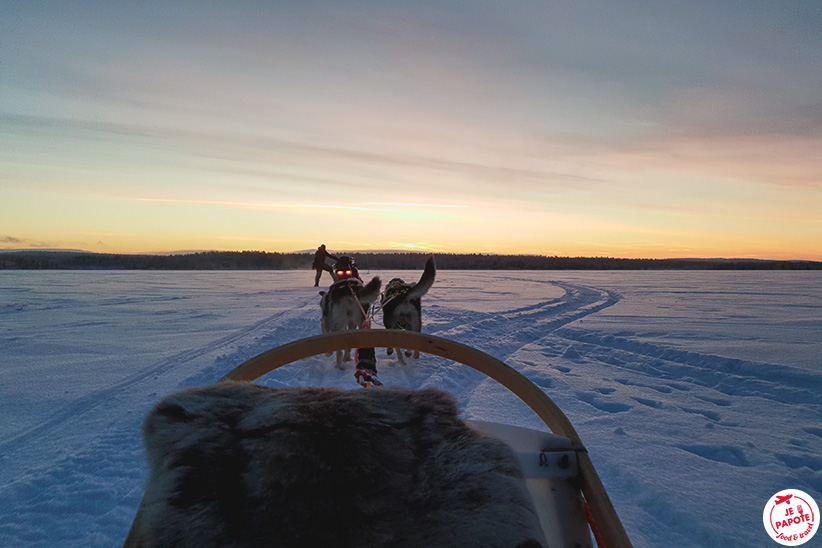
[{"x": 261, "y": 260}]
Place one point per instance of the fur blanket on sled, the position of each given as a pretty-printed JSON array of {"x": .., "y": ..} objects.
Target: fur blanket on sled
[{"x": 240, "y": 465}]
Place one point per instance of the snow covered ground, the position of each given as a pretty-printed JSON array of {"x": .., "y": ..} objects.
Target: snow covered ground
[{"x": 698, "y": 394}]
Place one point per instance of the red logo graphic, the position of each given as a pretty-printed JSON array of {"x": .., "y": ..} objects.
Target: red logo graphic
[{"x": 791, "y": 517}]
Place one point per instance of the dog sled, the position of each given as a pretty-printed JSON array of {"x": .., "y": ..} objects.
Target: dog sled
[{"x": 558, "y": 502}]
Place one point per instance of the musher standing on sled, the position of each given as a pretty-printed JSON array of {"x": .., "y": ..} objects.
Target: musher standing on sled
[{"x": 319, "y": 263}]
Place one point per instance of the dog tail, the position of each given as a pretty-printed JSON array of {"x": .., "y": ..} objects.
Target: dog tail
[
  {"x": 426, "y": 280},
  {"x": 370, "y": 291}
]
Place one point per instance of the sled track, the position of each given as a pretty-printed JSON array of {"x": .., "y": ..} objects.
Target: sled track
[
  {"x": 543, "y": 319},
  {"x": 298, "y": 322},
  {"x": 168, "y": 365},
  {"x": 731, "y": 376},
  {"x": 501, "y": 334}
]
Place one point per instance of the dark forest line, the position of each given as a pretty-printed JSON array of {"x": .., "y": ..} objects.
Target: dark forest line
[{"x": 261, "y": 260}]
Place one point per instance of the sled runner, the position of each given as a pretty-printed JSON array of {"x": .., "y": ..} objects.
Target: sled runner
[{"x": 562, "y": 503}]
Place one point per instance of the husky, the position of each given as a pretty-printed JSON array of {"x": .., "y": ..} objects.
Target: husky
[
  {"x": 345, "y": 306},
  {"x": 401, "y": 308},
  {"x": 345, "y": 267}
]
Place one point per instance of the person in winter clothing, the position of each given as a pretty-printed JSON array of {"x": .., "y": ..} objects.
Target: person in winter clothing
[{"x": 319, "y": 263}]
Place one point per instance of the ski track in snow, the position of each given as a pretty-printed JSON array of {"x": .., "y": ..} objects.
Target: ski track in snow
[
  {"x": 92, "y": 400},
  {"x": 593, "y": 376}
]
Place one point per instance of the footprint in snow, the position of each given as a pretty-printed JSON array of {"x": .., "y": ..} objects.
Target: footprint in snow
[
  {"x": 571, "y": 353},
  {"x": 650, "y": 403},
  {"x": 716, "y": 401},
  {"x": 541, "y": 378},
  {"x": 712, "y": 415},
  {"x": 801, "y": 461},
  {"x": 718, "y": 453},
  {"x": 595, "y": 401},
  {"x": 663, "y": 389}
]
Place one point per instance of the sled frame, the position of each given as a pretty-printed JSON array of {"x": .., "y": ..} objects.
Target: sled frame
[{"x": 610, "y": 527}]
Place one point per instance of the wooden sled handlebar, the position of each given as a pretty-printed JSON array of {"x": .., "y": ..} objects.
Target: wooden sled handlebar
[{"x": 610, "y": 527}]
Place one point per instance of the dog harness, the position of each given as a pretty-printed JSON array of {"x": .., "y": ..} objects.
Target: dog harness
[{"x": 394, "y": 289}]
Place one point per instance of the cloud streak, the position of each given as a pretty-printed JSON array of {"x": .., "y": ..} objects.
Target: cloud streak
[
  {"x": 465, "y": 125},
  {"x": 258, "y": 205}
]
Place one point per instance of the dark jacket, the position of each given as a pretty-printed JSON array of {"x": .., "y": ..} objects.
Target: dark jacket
[{"x": 319, "y": 258}]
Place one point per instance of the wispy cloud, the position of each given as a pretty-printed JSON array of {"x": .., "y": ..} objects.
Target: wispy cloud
[
  {"x": 86, "y": 233},
  {"x": 389, "y": 246},
  {"x": 406, "y": 204},
  {"x": 416, "y": 246},
  {"x": 12, "y": 242},
  {"x": 523, "y": 125},
  {"x": 258, "y": 205},
  {"x": 253, "y": 239}
]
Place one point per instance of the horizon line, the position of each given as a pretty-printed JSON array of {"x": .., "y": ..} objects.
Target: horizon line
[{"x": 406, "y": 251}]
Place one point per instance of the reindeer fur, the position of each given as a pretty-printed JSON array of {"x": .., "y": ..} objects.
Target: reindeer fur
[{"x": 240, "y": 465}]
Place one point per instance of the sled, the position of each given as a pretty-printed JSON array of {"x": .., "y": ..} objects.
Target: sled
[{"x": 570, "y": 501}]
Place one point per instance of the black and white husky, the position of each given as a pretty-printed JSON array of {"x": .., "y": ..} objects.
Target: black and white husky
[
  {"x": 401, "y": 307},
  {"x": 345, "y": 305}
]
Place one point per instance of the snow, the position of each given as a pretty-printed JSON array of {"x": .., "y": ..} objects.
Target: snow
[{"x": 697, "y": 394}]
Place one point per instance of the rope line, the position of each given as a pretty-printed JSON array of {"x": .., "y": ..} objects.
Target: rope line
[{"x": 593, "y": 525}]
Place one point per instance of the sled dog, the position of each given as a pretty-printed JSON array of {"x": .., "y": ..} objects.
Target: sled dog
[
  {"x": 344, "y": 306},
  {"x": 345, "y": 267},
  {"x": 401, "y": 308}
]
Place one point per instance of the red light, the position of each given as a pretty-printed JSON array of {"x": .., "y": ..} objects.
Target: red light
[
  {"x": 348, "y": 272},
  {"x": 340, "y": 273}
]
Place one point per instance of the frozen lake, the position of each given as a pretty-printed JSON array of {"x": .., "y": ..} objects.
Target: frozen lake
[{"x": 680, "y": 383}]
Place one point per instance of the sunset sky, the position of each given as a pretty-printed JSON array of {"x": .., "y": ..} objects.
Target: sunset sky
[{"x": 600, "y": 128}]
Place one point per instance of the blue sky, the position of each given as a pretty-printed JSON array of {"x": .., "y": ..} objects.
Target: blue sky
[{"x": 637, "y": 129}]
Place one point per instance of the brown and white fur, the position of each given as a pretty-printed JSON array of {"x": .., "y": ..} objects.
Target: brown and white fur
[
  {"x": 343, "y": 306},
  {"x": 401, "y": 304},
  {"x": 245, "y": 466}
]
